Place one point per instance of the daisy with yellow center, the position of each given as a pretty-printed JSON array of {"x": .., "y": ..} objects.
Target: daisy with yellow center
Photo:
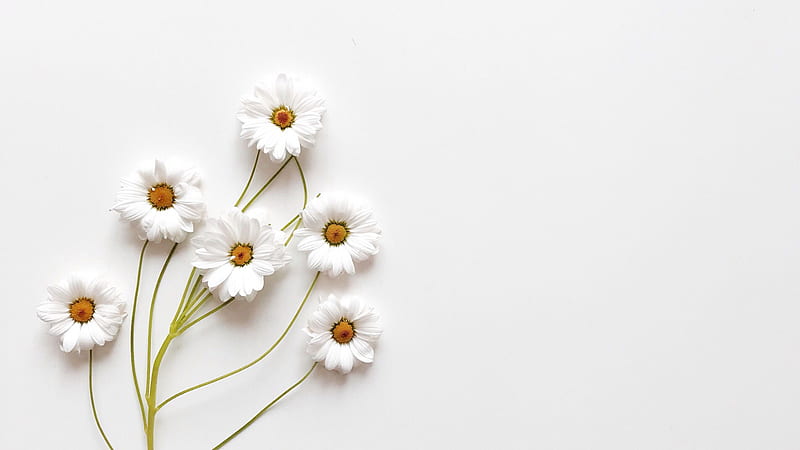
[
  {"x": 282, "y": 117},
  {"x": 163, "y": 201},
  {"x": 83, "y": 312},
  {"x": 236, "y": 253},
  {"x": 342, "y": 333},
  {"x": 337, "y": 232}
]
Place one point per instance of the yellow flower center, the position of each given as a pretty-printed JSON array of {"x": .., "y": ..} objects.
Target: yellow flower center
[
  {"x": 82, "y": 310},
  {"x": 161, "y": 196},
  {"x": 343, "y": 331},
  {"x": 336, "y": 233},
  {"x": 282, "y": 117},
  {"x": 241, "y": 254}
]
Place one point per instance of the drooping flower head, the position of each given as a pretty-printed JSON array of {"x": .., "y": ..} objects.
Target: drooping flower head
[
  {"x": 280, "y": 117},
  {"x": 337, "y": 231},
  {"x": 162, "y": 201},
  {"x": 236, "y": 253},
  {"x": 83, "y": 312},
  {"x": 343, "y": 331}
]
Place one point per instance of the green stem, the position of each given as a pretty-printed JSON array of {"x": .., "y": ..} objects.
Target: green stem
[
  {"x": 191, "y": 300},
  {"x": 151, "y": 395},
  {"x": 269, "y": 405},
  {"x": 291, "y": 235},
  {"x": 133, "y": 331},
  {"x": 183, "y": 297},
  {"x": 305, "y": 203},
  {"x": 267, "y": 184},
  {"x": 191, "y": 312},
  {"x": 290, "y": 222},
  {"x": 217, "y": 308},
  {"x": 94, "y": 409},
  {"x": 303, "y": 179},
  {"x": 251, "y": 363},
  {"x": 150, "y": 320},
  {"x": 249, "y": 180}
]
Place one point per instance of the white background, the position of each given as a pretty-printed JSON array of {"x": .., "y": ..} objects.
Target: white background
[{"x": 590, "y": 215}]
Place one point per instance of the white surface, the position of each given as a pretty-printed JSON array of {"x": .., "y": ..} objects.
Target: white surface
[{"x": 589, "y": 208}]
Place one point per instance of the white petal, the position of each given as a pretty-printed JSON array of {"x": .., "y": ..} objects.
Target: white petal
[
  {"x": 312, "y": 242},
  {"x": 279, "y": 151},
  {"x": 218, "y": 276},
  {"x": 322, "y": 352},
  {"x": 362, "y": 350},
  {"x": 345, "y": 358},
  {"x": 262, "y": 268},
  {"x": 85, "y": 341},
  {"x": 292, "y": 142},
  {"x": 59, "y": 293},
  {"x": 60, "y": 327},
  {"x": 98, "y": 335},
  {"x": 70, "y": 339},
  {"x": 52, "y": 311},
  {"x": 332, "y": 357}
]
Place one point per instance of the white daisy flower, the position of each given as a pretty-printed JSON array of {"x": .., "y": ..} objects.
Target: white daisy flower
[
  {"x": 342, "y": 331},
  {"x": 163, "y": 202},
  {"x": 83, "y": 311},
  {"x": 281, "y": 117},
  {"x": 236, "y": 253},
  {"x": 337, "y": 232}
]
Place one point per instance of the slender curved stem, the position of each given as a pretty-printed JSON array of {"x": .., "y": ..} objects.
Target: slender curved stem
[
  {"x": 183, "y": 297},
  {"x": 305, "y": 203},
  {"x": 133, "y": 331},
  {"x": 94, "y": 409},
  {"x": 288, "y": 224},
  {"x": 267, "y": 184},
  {"x": 253, "y": 362},
  {"x": 291, "y": 235},
  {"x": 150, "y": 320},
  {"x": 249, "y": 180},
  {"x": 303, "y": 179},
  {"x": 197, "y": 306},
  {"x": 269, "y": 405},
  {"x": 197, "y": 283},
  {"x": 217, "y": 308},
  {"x": 190, "y": 301},
  {"x": 151, "y": 395}
]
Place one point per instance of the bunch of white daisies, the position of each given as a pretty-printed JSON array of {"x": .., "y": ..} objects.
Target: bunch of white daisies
[{"x": 233, "y": 253}]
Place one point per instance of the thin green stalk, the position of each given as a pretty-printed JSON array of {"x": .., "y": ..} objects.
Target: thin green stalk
[
  {"x": 183, "y": 297},
  {"x": 249, "y": 180},
  {"x": 94, "y": 409},
  {"x": 196, "y": 285},
  {"x": 303, "y": 179},
  {"x": 305, "y": 203},
  {"x": 217, "y": 308},
  {"x": 197, "y": 306},
  {"x": 194, "y": 296},
  {"x": 291, "y": 235},
  {"x": 253, "y": 362},
  {"x": 150, "y": 320},
  {"x": 290, "y": 222},
  {"x": 151, "y": 395},
  {"x": 269, "y": 405},
  {"x": 133, "y": 331},
  {"x": 267, "y": 184},
  {"x": 190, "y": 305}
]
